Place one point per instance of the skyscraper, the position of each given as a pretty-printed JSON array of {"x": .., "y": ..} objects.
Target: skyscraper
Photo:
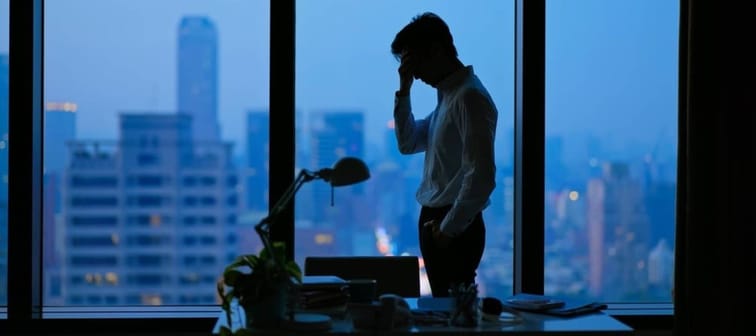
[
  {"x": 198, "y": 76},
  {"x": 59, "y": 129},
  {"x": 335, "y": 135},
  {"x": 256, "y": 174},
  {"x": 150, "y": 219},
  {"x": 618, "y": 234}
]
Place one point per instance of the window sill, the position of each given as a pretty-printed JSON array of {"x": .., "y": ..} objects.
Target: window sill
[
  {"x": 640, "y": 309},
  {"x": 644, "y": 316},
  {"x": 131, "y": 312},
  {"x": 190, "y": 319}
]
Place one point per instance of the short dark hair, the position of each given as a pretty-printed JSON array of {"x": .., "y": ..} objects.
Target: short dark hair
[{"x": 423, "y": 33}]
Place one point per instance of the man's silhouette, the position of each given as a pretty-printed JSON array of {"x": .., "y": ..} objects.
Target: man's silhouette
[{"x": 458, "y": 140}]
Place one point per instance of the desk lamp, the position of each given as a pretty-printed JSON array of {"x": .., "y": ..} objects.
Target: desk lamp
[{"x": 346, "y": 171}]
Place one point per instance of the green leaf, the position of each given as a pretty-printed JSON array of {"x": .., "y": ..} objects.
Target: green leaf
[
  {"x": 225, "y": 331},
  {"x": 267, "y": 274},
  {"x": 252, "y": 261},
  {"x": 264, "y": 254},
  {"x": 238, "y": 262},
  {"x": 232, "y": 277},
  {"x": 243, "y": 332},
  {"x": 293, "y": 269}
]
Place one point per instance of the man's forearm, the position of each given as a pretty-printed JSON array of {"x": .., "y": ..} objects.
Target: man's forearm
[{"x": 410, "y": 133}]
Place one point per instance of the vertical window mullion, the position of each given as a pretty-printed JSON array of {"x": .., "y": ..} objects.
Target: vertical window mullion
[
  {"x": 281, "y": 160},
  {"x": 25, "y": 161},
  {"x": 530, "y": 35}
]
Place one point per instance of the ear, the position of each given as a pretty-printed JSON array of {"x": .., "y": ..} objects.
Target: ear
[{"x": 436, "y": 50}]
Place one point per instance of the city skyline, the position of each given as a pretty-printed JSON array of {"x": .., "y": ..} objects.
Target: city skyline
[
  {"x": 243, "y": 73},
  {"x": 343, "y": 107}
]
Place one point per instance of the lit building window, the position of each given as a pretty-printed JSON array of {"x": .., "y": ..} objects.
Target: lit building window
[
  {"x": 111, "y": 278},
  {"x": 323, "y": 239}
]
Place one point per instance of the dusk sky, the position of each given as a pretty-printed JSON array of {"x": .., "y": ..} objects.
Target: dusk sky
[
  {"x": 611, "y": 97},
  {"x": 611, "y": 65}
]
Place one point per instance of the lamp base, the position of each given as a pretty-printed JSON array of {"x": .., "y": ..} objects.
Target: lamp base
[{"x": 307, "y": 322}]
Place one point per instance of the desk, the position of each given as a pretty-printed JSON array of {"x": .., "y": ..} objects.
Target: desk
[{"x": 533, "y": 324}]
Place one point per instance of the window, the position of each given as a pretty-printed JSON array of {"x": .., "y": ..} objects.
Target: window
[
  {"x": 137, "y": 121},
  {"x": 147, "y": 159},
  {"x": 94, "y": 182},
  {"x": 152, "y": 220},
  {"x": 150, "y": 180},
  {"x": 93, "y": 201},
  {"x": 93, "y": 221},
  {"x": 190, "y": 181},
  {"x": 611, "y": 134},
  {"x": 95, "y": 103},
  {"x": 207, "y": 201},
  {"x": 207, "y": 181},
  {"x": 93, "y": 261},
  {"x": 148, "y": 201},
  {"x": 93, "y": 241},
  {"x": 143, "y": 240},
  {"x": 148, "y": 260},
  {"x": 148, "y": 280},
  {"x": 345, "y": 84}
]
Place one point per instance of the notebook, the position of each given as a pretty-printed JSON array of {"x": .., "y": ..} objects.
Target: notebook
[{"x": 550, "y": 305}]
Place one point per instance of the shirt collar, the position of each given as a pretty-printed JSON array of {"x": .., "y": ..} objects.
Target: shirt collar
[{"x": 456, "y": 78}]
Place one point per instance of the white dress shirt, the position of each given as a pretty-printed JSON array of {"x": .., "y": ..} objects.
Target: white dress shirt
[{"x": 458, "y": 140}]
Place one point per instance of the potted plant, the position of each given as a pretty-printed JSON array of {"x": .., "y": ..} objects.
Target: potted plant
[
  {"x": 261, "y": 285},
  {"x": 263, "y": 290}
]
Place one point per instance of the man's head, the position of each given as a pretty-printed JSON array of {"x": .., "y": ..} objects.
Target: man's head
[{"x": 429, "y": 43}]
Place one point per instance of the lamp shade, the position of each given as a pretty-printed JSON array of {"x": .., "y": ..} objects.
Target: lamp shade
[{"x": 348, "y": 171}]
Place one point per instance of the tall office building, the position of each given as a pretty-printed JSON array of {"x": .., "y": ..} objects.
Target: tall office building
[
  {"x": 258, "y": 157},
  {"x": 661, "y": 270},
  {"x": 59, "y": 129},
  {"x": 150, "y": 219},
  {"x": 198, "y": 76},
  {"x": 659, "y": 195},
  {"x": 618, "y": 234},
  {"x": 334, "y": 135},
  {"x": 4, "y": 73},
  {"x": 596, "y": 193}
]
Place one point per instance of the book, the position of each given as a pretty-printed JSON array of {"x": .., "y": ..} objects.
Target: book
[
  {"x": 533, "y": 302},
  {"x": 551, "y": 305},
  {"x": 322, "y": 282},
  {"x": 574, "y": 308}
]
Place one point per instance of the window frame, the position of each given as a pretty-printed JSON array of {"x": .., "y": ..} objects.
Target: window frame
[
  {"x": 25, "y": 94},
  {"x": 25, "y": 248}
]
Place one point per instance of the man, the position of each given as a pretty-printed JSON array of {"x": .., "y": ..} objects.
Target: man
[{"x": 458, "y": 140}]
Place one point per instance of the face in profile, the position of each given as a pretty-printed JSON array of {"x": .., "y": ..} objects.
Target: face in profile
[{"x": 420, "y": 65}]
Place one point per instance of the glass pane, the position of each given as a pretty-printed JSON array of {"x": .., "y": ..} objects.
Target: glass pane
[
  {"x": 155, "y": 147},
  {"x": 346, "y": 79},
  {"x": 4, "y": 33},
  {"x": 611, "y": 146}
]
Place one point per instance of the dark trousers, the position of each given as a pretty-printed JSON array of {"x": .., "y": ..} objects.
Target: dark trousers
[{"x": 458, "y": 262}]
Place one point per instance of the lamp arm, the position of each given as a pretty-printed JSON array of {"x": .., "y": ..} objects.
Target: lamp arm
[
  {"x": 263, "y": 227},
  {"x": 303, "y": 177}
]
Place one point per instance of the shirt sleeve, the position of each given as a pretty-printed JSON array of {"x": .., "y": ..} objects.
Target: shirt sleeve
[
  {"x": 411, "y": 134},
  {"x": 477, "y": 127}
]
